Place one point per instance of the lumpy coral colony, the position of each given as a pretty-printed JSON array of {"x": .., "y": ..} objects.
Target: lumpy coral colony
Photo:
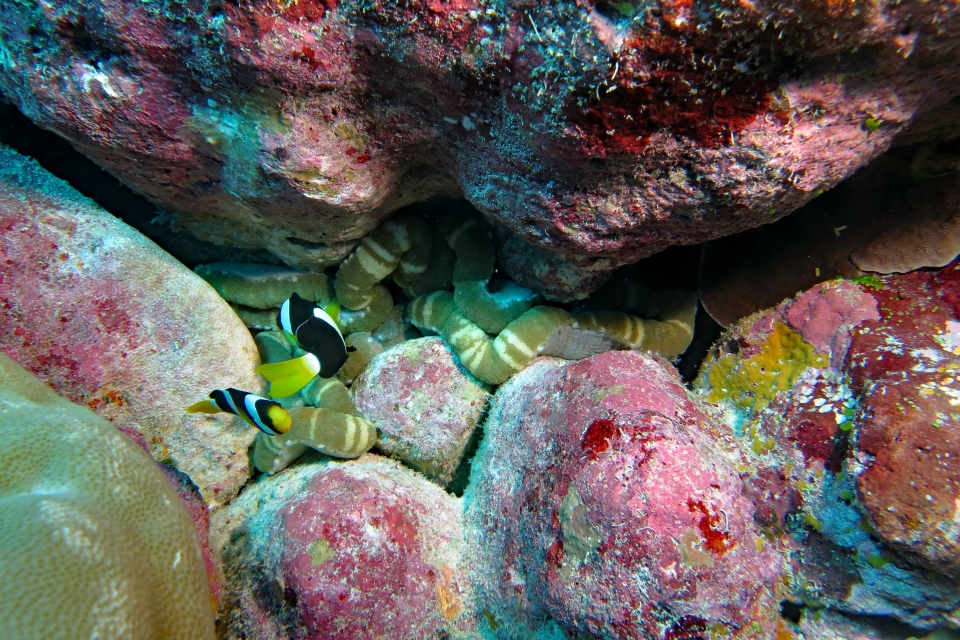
[{"x": 494, "y": 326}]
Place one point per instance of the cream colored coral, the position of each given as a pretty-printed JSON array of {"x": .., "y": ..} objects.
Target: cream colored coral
[{"x": 94, "y": 542}]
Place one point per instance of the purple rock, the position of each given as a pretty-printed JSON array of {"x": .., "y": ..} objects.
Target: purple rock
[
  {"x": 110, "y": 321},
  {"x": 592, "y": 129},
  {"x": 358, "y": 549},
  {"x": 601, "y": 498},
  {"x": 843, "y": 401},
  {"x": 424, "y": 403}
]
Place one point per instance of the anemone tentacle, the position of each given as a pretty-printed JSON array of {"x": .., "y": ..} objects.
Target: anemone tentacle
[
  {"x": 378, "y": 257},
  {"x": 533, "y": 332},
  {"x": 330, "y": 423}
]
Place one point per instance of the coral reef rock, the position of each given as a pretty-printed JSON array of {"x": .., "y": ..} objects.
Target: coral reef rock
[
  {"x": 600, "y": 130},
  {"x": 601, "y": 502},
  {"x": 93, "y": 539},
  {"x": 425, "y": 405},
  {"x": 359, "y": 549},
  {"x": 844, "y": 403},
  {"x": 106, "y": 318}
]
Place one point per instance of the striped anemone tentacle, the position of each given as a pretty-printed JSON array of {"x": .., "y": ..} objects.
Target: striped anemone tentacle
[
  {"x": 430, "y": 312},
  {"x": 369, "y": 317},
  {"x": 669, "y": 336},
  {"x": 378, "y": 256},
  {"x": 413, "y": 263},
  {"x": 492, "y": 360},
  {"x": 338, "y": 429},
  {"x": 495, "y": 360},
  {"x": 469, "y": 236},
  {"x": 330, "y": 423}
]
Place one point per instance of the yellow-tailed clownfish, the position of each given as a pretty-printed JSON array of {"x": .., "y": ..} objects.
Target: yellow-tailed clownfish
[
  {"x": 266, "y": 415},
  {"x": 313, "y": 330}
]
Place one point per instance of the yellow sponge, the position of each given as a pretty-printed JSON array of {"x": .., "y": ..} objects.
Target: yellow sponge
[{"x": 94, "y": 543}]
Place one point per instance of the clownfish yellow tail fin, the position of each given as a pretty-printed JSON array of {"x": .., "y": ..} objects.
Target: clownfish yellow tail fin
[
  {"x": 204, "y": 406},
  {"x": 288, "y": 377}
]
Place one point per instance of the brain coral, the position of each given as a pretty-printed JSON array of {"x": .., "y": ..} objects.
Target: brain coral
[{"x": 94, "y": 542}]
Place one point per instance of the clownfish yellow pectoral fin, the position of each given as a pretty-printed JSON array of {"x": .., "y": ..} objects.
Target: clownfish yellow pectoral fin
[
  {"x": 279, "y": 418},
  {"x": 289, "y": 376},
  {"x": 204, "y": 406}
]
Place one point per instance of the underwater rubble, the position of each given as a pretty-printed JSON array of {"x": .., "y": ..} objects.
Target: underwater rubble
[{"x": 406, "y": 363}]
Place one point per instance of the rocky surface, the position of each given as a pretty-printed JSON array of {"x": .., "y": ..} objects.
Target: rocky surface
[
  {"x": 358, "y": 549},
  {"x": 844, "y": 403},
  {"x": 600, "y": 501},
  {"x": 598, "y": 130},
  {"x": 110, "y": 321},
  {"x": 424, "y": 403}
]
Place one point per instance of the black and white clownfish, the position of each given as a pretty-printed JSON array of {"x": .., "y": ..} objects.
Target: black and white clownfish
[
  {"x": 266, "y": 415},
  {"x": 312, "y": 329}
]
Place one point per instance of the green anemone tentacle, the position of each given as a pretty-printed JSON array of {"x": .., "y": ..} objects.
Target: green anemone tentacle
[
  {"x": 264, "y": 286},
  {"x": 336, "y": 434},
  {"x": 439, "y": 273},
  {"x": 414, "y": 262},
  {"x": 378, "y": 256},
  {"x": 495, "y": 360},
  {"x": 492, "y": 360},
  {"x": 495, "y": 304},
  {"x": 366, "y": 348},
  {"x": 330, "y": 423},
  {"x": 369, "y": 317},
  {"x": 469, "y": 236}
]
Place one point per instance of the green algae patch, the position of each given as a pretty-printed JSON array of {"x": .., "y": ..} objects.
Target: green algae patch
[
  {"x": 319, "y": 552},
  {"x": 753, "y": 383},
  {"x": 871, "y": 282}
]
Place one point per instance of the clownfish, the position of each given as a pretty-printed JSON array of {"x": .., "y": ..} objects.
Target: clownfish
[
  {"x": 266, "y": 415},
  {"x": 312, "y": 329}
]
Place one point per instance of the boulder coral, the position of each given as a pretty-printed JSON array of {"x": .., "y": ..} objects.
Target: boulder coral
[
  {"x": 357, "y": 549},
  {"x": 109, "y": 320},
  {"x": 424, "y": 404},
  {"x": 600, "y": 131},
  {"x": 843, "y": 402},
  {"x": 601, "y": 501},
  {"x": 94, "y": 542}
]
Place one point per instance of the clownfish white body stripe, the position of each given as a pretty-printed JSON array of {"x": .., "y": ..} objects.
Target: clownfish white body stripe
[{"x": 266, "y": 415}]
